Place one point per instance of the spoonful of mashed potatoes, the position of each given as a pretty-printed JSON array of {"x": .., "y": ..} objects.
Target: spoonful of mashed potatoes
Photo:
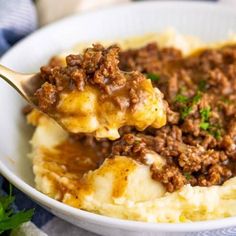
[{"x": 92, "y": 95}]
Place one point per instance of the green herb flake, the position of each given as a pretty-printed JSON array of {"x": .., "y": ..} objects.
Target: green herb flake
[
  {"x": 216, "y": 133},
  {"x": 214, "y": 130},
  {"x": 205, "y": 113},
  {"x": 202, "y": 85},
  {"x": 8, "y": 219},
  {"x": 196, "y": 98},
  {"x": 153, "y": 77},
  {"x": 187, "y": 175},
  {"x": 181, "y": 98},
  {"x": 185, "y": 112},
  {"x": 204, "y": 125}
]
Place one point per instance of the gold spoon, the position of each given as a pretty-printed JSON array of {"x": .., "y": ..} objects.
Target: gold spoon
[{"x": 25, "y": 84}]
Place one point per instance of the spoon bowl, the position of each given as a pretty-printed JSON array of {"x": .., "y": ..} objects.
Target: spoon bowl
[{"x": 25, "y": 84}]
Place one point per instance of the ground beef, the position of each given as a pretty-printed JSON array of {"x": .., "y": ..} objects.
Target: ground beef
[
  {"x": 97, "y": 67},
  {"x": 129, "y": 145},
  {"x": 170, "y": 176},
  {"x": 215, "y": 175},
  {"x": 149, "y": 59},
  {"x": 47, "y": 96},
  {"x": 198, "y": 142}
]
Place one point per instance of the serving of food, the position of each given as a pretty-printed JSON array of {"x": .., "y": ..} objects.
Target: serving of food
[
  {"x": 148, "y": 132},
  {"x": 129, "y": 135}
]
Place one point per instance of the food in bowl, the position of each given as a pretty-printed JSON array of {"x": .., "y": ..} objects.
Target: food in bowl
[
  {"x": 92, "y": 95},
  {"x": 183, "y": 171}
]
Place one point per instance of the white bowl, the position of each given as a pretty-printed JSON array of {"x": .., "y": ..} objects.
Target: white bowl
[{"x": 208, "y": 21}]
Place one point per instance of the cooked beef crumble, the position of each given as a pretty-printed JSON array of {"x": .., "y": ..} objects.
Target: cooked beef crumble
[
  {"x": 199, "y": 141},
  {"x": 97, "y": 66}
]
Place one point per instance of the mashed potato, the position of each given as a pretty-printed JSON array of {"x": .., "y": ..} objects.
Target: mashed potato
[
  {"x": 114, "y": 189},
  {"x": 104, "y": 119},
  {"x": 121, "y": 187}
]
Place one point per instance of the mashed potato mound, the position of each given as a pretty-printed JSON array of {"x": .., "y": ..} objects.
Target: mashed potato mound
[{"x": 114, "y": 188}]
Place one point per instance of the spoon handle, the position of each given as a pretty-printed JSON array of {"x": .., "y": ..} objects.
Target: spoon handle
[
  {"x": 12, "y": 78},
  {"x": 22, "y": 83}
]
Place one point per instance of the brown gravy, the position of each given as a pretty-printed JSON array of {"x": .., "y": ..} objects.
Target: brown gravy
[{"x": 73, "y": 158}]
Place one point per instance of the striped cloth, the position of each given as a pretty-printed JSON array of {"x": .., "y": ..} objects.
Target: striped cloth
[{"x": 18, "y": 18}]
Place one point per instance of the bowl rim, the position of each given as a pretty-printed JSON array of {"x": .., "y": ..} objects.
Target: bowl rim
[{"x": 107, "y": 221}]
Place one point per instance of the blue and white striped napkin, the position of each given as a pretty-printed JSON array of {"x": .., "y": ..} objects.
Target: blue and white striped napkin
[{"x": 18, "y": 18}]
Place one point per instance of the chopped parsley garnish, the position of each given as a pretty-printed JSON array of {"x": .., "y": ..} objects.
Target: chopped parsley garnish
[
  {"x": 196, "y": 98},
  {"x": 202, "y": 85},
  {"x": 205, "y": 113},
  {"x": 216, "y": 133},
  {"x": 190, "y": 102},
  {"x": 205, "y": 124},
  {"x": 187, "y": 175},
  {"x": 153, "y": 77},
  {"x": 8, "y": 219},
  {"x": 181, "y": 98},
  {"x": 185, "y": 112}
]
